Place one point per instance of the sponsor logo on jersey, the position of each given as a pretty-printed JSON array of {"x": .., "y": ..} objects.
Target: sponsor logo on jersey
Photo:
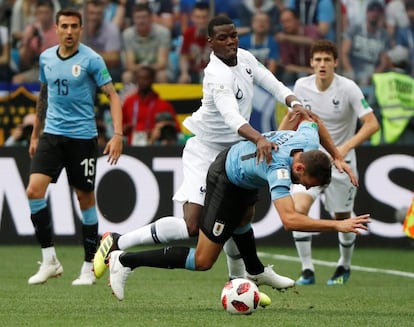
[
  {"x": 218, "y": 228},
  {"x": 76, "y": 70},
  {"x": 282, "y": 174},
  {"x": 203, "y": 189}
]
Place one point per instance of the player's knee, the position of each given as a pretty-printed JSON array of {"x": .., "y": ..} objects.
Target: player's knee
[
  {"x": 203, "y": 263},
  {"x": 34, "y": 192}
]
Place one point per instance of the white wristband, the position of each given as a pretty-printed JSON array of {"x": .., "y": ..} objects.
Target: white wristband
[{"x": 294, "y": 103}]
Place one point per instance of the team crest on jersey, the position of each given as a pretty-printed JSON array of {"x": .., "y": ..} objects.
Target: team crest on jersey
[
  {"x": 282, "y": 174},
  {"x": 336, "y": 103},
  {"x": 76, "y": 70},
  {"x": 218, "y": 228}
]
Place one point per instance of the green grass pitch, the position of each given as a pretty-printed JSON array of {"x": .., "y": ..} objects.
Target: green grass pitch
[{"x": 380, "y": 292}]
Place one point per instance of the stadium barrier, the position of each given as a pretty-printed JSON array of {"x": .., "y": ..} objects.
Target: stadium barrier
[{"x": 139, "y": 189}]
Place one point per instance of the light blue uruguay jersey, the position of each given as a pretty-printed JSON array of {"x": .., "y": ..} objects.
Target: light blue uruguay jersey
[
  {"x": 242, "y": 170},
  {"x": 71, "y": 86}
]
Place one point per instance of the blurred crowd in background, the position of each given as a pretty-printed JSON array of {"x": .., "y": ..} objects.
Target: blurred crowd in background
[{"x": 165, "y": 41}]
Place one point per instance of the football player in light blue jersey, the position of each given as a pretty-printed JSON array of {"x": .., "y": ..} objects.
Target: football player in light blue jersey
[
  {"x": 71, "y": 87},
  {"x": 233, "y": 182},
  {"x": 69, "y": 76}
]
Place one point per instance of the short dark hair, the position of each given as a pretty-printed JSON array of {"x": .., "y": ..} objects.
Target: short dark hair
[
  {"x": 144, "y": 6},
  {"x": 317, "y": 165},
  {"x": 46, "y": 3},
  {"x": 218, "y": 21},
  {"x": 151, "y": 71},
  {"x": 294, "y": 13},
  {"x": 324, "y": 46},
  {"x": 201, "y": 6},
  {"x": 69, "y": 12}
]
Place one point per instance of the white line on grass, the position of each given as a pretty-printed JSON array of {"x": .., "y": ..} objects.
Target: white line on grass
[{"x": 333, "y": 264}]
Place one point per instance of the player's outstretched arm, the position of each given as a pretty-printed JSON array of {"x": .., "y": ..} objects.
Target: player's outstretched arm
[
  {"x": 295, "y": 221},
  {"x": 114, "y": 147}
]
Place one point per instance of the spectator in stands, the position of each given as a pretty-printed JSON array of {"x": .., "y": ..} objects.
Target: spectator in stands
[
  {"x": 248, "y": 8},
  {"x": 392, "y": 104},
  {"x": 364, "y": 47},
  {"x": 140, "y": 109},
  {"x": 320, "y": 13},
  {"x": 405, "y": 35},
  {"x": 260, "y": 42},
  {"x": 37, "y": 37},
  {"x": 20, "y": 135},
  {"x": 162, "y": 11},
  {"x": 146, "y": 43},
  {"x": 104, "y": 37},
  {"x": 115, "y": 12},
  {"x": 227, "y": 7},
  {"x": 5, "y": 71},
  {"x": 356, "y": 11},
  {"x": 195, "y": 51},
  {"x": 23, "y": 14},
  {"x": 295, "y": 42},
  {"x": 395, "y": 17}
]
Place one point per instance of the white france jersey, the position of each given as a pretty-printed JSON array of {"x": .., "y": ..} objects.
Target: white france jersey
[
  {"x": 71, "y": 86},
  {"x": 227, "y": 97},
  {"x": 339, "y": 106}
]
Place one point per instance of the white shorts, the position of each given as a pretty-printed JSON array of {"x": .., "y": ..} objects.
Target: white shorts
[
  {"x": 339, "y": 194},
  {"x": 197, "y": 158}
]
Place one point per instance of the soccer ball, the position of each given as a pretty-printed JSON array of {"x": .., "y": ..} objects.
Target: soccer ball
[{"x": 240, "y": 296}]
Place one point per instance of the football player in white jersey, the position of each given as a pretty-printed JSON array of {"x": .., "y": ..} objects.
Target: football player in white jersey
[
  {"x": 339, "y": 103},
  {"x": 222, "y": 120}
]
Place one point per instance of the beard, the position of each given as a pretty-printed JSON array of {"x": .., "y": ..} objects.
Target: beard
[{"x": 294, "y": 177}]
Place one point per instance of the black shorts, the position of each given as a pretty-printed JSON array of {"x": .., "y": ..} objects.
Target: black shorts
[
  {"x": 225, "y": 204},
  {"x": 77, "y": 156}
]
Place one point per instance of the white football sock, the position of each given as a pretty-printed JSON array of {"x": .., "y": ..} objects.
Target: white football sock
[
  {"x": 48, "y": 254},
  {"x": 164, "y": 230},
  {"x": 346, "y": 248},
  {"x": 235, "y": 263},
  {"x": 303, "y": 242},
  {"x": 86, "y": 267}
]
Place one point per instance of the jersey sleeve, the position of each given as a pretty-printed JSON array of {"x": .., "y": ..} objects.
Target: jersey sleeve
[
  {"x": 220, "y": 86},
  {"x": 264, "y": 78},
  {"x": 279, "y": 181},
  {"x": 42, "y": 77},
  {"x": 357, "y": 99},
  {"x": 100, "y": 71}
]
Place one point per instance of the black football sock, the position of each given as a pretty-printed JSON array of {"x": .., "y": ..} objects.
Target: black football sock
[
  {"x": 247, "y": 247},
  {"x": 90, "y": 240},
  {"x": 170, "y": 258},
  {"x": 43, "y": 226}
]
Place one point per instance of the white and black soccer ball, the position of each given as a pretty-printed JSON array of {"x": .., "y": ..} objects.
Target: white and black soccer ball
[{"x": 240, "y": 296}]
